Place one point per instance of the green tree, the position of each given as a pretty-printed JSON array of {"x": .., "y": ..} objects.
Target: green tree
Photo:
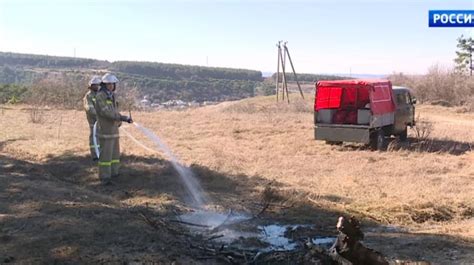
[
  {"x": 11, "y": 93},
  {"x": 463, "y": 58}
]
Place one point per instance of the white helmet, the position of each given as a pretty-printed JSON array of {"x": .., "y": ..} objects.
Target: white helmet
[
  {"x": 109, "y": 78},
  {"x": 95, "y": 80}
]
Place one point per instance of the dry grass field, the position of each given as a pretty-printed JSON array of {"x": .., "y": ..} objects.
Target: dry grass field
[{"x": 416, "y": 201}]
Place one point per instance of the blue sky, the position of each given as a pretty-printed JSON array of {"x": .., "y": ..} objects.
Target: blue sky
[{"x": 376, "y": 37}]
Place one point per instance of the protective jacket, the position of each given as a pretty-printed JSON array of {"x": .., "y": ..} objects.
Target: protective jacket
[
  {"x": 108, "y": 115},
  {"x": 89, "y": 106}
]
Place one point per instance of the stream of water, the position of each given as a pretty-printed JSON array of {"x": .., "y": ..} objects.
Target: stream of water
[{"x": 196, "y": 196}]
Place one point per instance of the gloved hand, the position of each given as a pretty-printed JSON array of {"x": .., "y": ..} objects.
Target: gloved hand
[{"x": 126, "y": 119}]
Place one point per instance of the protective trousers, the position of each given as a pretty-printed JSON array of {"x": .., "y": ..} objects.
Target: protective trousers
[{"x": 109, "y": 160}]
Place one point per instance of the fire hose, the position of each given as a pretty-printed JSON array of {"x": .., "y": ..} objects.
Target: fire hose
[
  {"x": 96, "y": 146},
  {"x": 94, "y": 139}
]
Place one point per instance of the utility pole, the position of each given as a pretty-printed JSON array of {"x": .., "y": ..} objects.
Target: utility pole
[
  {"x": 285, "y": 84},
  {"x": 293, "y": 68},
  {"x": 281, "y": 61},
  {"x": 277, "y": 81}
]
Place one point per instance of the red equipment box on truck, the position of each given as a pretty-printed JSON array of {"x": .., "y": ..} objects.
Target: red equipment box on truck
[{"x": 355, "y": 111}]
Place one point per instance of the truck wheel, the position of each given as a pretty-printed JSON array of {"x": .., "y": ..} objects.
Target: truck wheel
[
  {"x": 334, "y": 142},
  {"x": 381, "y": 141},
  {"x": 378, "y": 141},
  {"x": 404, "y": 135}
]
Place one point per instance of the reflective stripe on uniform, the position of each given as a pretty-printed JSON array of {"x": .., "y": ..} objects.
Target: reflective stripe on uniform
[
  {"x": 105, "y": 164},
  {"x": 108, "y": 101},
  {"x": 115, "y": 161},
  {"x": 93, "y": 146},
  {"x": 93, "y": 99},
  {"x": 108, "y": 136}
]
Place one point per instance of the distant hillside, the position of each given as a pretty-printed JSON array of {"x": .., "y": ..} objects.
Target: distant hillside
[
  {"x": 370, "y": 76},
  {"x": 312, "y": 78},
  {"x": 184, "y": 72},
  {"x": 158, "y": 81},
  {"x": 46, "y": 61}
]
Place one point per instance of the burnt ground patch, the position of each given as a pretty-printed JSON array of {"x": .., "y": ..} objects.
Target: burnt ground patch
[{"x": 55, "y": 211}]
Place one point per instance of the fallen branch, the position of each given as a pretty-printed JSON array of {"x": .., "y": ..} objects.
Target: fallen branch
[
  {"x": 230, "y": 256},
  {"x": 188, "y": 223},
  {"x": 149, "y": 221},
  {"x": 265, "y": 207},
  {"x": 214, "y": 237},
  {"x": 312, "y": 200},
  {"x": 20, "y": 228},
  {"x": 215, "y": 229},
  {"x": 160, "y": 223}
]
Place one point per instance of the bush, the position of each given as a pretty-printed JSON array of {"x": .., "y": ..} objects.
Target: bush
[
  {"x": 68, "y": 91},
  {"x": 470, "y": 104},
  {"x": 11, "y": 93},
  {"x": 423, "y": 129},
  {"x": 439, "y": 85},
  {"x": 64, "y": 91},
  {"x": 265, "y": 88},
  {"x": 36, "y": 114},
  {"x": 128, "y": 98}
]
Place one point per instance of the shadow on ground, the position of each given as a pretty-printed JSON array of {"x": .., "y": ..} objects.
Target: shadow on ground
[
  {"x": 56, "y": 211},
  {"x": 434, "y": 145}
]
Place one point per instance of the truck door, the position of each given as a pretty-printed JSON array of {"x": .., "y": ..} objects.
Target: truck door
[
  {"x": 411, "y": 109},
  {"x": 402, "y": 115}
]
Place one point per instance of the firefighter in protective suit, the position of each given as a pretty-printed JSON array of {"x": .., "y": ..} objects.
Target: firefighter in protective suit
[
  {"x": 108, "y": 121},
  {"x": 89, "y": 102}
]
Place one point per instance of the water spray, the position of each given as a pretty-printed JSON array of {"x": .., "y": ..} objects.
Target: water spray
[
  {"x": 190, "y": 182},
  {"x": 195, "y": 192}
]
